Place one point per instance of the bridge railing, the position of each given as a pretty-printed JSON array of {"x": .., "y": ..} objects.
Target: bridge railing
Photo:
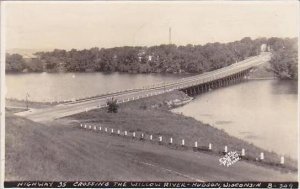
[{"x": 194, "y": 80}]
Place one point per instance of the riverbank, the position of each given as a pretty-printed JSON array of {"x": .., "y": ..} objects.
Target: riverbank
[
  {"x": 262, "y": 71},
  {"x": 22, "y": 104},
  {"x": 15, "y": 106},
  {"x": 151, "y": 116}
]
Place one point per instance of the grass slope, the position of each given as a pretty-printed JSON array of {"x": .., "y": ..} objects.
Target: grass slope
[{"x": 138, "y": 116}]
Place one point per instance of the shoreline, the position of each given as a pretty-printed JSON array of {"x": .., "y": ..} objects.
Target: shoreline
[{"x": 9, "y": 102}]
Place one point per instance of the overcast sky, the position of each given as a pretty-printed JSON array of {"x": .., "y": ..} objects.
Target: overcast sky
[{"x": 48, "y": 25}]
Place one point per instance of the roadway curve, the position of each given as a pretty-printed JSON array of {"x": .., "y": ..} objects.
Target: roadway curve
[{"x": 66, "y": 109}]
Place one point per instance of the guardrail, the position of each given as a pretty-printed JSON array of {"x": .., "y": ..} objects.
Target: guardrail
[
  {"x": 171, "y": 142},
  {"x": 188, "y": 81}
]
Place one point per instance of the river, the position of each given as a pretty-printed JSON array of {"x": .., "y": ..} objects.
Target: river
[
  {"x": 67, "y": 86},
  {"x": 262, "y": 112}
]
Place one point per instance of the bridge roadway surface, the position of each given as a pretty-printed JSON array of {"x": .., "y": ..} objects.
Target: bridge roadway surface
[{"x": 70, "y": 108}]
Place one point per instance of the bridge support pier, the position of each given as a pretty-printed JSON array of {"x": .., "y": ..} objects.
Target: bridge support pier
[{"x": 222, "y": 82}]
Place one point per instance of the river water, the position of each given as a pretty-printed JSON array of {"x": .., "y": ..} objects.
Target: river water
[
  {"x": 262, "y": 112},
  {"x": 66, "y": 86}
]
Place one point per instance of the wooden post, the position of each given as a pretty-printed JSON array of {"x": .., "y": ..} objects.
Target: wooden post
[
  {"x": 243, "y": 152},
  {"x": 160, "y": 139}
]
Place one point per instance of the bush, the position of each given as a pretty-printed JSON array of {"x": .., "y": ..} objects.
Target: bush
[
  {"x": 112, "y": 106},
  {"x": 143, "y": 106}
]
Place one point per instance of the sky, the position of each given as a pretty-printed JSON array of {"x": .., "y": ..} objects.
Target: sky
[{"x": 67, "y": 25}]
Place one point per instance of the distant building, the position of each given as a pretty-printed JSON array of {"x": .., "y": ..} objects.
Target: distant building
[{"x": 263, "y": 47}]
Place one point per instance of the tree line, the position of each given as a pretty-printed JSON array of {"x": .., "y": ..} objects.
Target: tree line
[
  {"x": 284, "y": 61},
  {"x": 154, "y": 59}
]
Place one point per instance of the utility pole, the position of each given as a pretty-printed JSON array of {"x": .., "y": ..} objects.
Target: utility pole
[{"x": 27, "y": 96}]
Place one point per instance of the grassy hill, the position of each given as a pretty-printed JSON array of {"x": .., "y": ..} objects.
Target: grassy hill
[
  {"x": 151, "y": 116},
  {"x": 61, "y": 150}
]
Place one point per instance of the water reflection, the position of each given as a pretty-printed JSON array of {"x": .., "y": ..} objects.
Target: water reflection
[
  {"x": 263, "y": 112},
  {"x": 66, "y": 86},
  {"x": 284, "y": 87}
]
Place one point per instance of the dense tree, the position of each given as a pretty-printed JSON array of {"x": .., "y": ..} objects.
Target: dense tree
[
  {"x": 154, "y": 59},
  {"x": 14, "y": 63},
  {"x": 34, "y": 65},
  {"x": 284, "y": 61},
  {"x": 112, "y": 106}
]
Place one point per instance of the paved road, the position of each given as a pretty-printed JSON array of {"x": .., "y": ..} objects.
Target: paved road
[{"x": 61, "y": 110}]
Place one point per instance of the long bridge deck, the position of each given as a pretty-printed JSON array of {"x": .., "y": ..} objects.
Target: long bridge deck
[{"x": 190, "y": 85}]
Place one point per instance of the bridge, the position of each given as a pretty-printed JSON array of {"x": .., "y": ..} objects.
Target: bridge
[{"x": 193, "y": 85}]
